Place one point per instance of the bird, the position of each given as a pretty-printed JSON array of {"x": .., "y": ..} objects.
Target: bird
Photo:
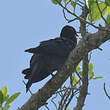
[{"x": 50, "y": 55}]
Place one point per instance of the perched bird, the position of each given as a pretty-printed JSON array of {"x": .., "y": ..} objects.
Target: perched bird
[{"x": 50, "y": 55}]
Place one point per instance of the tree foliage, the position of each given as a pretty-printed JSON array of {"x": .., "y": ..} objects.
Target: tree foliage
[
  {"x": 5, "y": 99},
  {"x": 78, "y": 69},
  {"x": 97, "y": 8}
]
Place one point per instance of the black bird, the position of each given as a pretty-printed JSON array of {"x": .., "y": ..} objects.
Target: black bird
[{"x": 50, "y": 55}]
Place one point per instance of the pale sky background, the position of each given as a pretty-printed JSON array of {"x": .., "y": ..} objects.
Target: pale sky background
[{"x": 23, "y": 24}]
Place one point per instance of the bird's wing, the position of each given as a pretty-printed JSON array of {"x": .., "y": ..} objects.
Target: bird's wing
[{"x": 57, "y": 46}]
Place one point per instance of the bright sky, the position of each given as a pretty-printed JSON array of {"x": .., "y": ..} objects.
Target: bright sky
[{"x": 23, "y": 24}]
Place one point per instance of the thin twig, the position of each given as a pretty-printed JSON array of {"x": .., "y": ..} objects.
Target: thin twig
[
  {"x": 78, "y": 74},
  {"x": 106, "y": 91},
  {"x": 81, "y": 2},
  {"x": 72, "y": 20},
  {"x": 47, "y": 107},
  {"x": 60, "y": 104},
  {"x": 89, "y": 56},
  {"x": 68, "y": 20},
  {"x": 101, "y": 12},
  {"x": 66, "y": 98},
  {"x": 100, "y": 48},
  {"x": 81, "y": 18},
  {"x": 71, "y": 97},
  {"x": 71, "y": 88},
  {"x": 79, "y": 5},
  {"x": 52, "y": 100}
]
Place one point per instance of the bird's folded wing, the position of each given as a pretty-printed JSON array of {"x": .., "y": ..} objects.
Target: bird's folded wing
[{"x": 56, "y": 46}]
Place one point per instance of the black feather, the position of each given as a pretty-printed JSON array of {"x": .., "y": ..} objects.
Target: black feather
[{"x": 50, "y": 55}]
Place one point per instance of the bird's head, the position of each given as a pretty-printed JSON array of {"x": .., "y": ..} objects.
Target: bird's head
[{"x": 69, "y": 32}]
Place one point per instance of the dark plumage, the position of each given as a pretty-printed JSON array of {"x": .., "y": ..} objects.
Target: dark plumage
[{"x": 50, "y": 55}]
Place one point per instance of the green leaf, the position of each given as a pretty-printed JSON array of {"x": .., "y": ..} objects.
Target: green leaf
[
  {"x": 107, "y": 2},
  {"x": 5, "y": 90},
  {"x": 89, "y": 3},
  {"x": 74, "y": 108},
  {"x": 90, "y": 67},
  {"x": 108, "y": 19},
  {"x": 91, "y": 73},
  {"x": 66, "y": 1},
  {"x": 73, "y": 4},
  {"x": 1, "y": 98},
  {"x": 95, "y": 13},
  {"x": 75, "y": 80},
  {"x": 98, "y": 77},
  {"x": 108, "y": 10},
  {"x": 55, "y": 2},
  {"x": 78, "y": 67},
  {"x": 80, "y": 73},
  {"x": 0, "y": 108},
  {"x": 6, "y": 107},
  {"x": 5, "y": 93},
  {"x": 12, "y": 98}
]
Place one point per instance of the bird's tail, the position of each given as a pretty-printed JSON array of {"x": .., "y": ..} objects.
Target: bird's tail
[{"x": 28, "y": 85}]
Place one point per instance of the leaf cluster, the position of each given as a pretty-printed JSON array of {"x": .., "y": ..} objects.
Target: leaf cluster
[
  {"x": 5, "y": 99},
  {"x": 91, "y": 74},
  {"x": 97, "y": 8}
]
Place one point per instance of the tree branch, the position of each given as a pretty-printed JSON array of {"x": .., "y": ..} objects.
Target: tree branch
[
  {"x": 84, "y": 87},
  {"x": 90, "y": 42},
  {"x": 101, "y": 12},
  {"x": 106, "y": 92},
  {"x": 79, "y": 18}
]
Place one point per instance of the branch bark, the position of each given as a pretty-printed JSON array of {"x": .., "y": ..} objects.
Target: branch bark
[
  {"x": 85, "y": 45},
  {"x": 84, "y": 87}
]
